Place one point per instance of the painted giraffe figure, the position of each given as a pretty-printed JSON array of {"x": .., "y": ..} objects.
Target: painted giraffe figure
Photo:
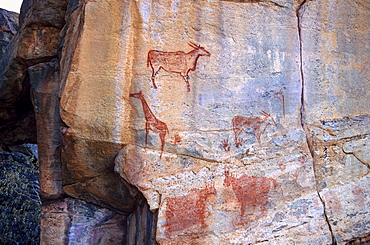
[{"x": 152, "y": 123}]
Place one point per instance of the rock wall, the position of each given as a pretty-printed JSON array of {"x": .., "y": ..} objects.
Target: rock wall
[{"x": 239, "y": 122}]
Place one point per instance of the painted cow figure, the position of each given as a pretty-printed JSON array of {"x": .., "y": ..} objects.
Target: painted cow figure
[
  {"x": 187, "y": 211},
  {"x": 175, "y": 62},
  {"x": 251, "y": 192},
  {"x": 251, "y": 125}
]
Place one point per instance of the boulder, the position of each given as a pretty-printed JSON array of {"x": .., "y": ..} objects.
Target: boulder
[
  {"x": 70, "y": 221},
  {"x": 8, "y": 28}
]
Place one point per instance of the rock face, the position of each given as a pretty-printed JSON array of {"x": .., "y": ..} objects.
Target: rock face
[
  {"x": 255, "y": 138},
  {"x": 9, "y": 27},
  {"x": 90, "y": 145},
  {"x": 336, "y": 73},
  {"x": 44, "y": 79}
]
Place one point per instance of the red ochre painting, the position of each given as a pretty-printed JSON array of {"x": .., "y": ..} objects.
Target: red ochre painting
[
  {"x": 152, "y": 122},
  {"x": 187, "y": 211},
  {"x": 175, "y": 62},
  {"x": 251, "y": 125},
  {"x": 251, "y": 192}
]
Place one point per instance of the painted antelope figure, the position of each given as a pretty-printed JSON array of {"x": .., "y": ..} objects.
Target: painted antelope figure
[
  {"x": 175, "y": 62},
  {"x": 255, "y": 125},
  {"x": 152, "y": 123}
]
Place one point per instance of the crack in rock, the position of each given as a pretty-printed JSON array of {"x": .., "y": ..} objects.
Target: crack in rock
[
  {"x": 257, "y": 1},
  {"x": 305, "y": 128}
]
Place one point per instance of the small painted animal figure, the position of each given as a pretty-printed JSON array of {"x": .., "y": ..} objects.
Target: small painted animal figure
[
  {"x": 187, "y": 211},
  {"x": 255, "y": 125},
  {"x": 251, "y": 192},
  {"x": 152, "y": 123},
  {"x": 176, "y": 62}
]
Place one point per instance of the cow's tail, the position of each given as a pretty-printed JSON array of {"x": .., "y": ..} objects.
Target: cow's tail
[{"x": 148, "y": 60}]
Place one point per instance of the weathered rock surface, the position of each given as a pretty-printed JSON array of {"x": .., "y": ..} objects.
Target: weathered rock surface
[
  {"x": 335, "y": 52},
  {"x": 19, "y": 199},
  {"x": 141, "y": 226},
  {"x": 70, "y": 221},
  {"x": 108, "y": 191},
  {"x": 8, "y": 28},
  {"x": 17, "y": 121},
  {"x": 37, "y": 41},
  {"x": 44, "y": 79},
  {"x": 91, "y": 142}
]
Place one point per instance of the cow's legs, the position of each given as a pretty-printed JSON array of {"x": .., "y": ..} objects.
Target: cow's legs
[
  {"x": 186, "y": 78},
  {"x": 237, "y": 132},
  {"x": 147, "y": 128},
  {"x": 162, "y": 136},
  {"x": 153, "y": 77}
]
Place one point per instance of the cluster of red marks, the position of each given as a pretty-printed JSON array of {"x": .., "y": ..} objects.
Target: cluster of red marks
[
  {"x": 359, "y": 196},
  {"x": 186, "y": 211},
  {"x": 176, "y": 139},
  {"x": 282, "y": 165},
  {"x": 225, "y": 145},
  {"x": 251, "y": 192}
]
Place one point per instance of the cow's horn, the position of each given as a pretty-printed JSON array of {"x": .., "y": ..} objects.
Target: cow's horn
[
  {"x": 264, "y": 113},
  {"x": 193, "y": 45}
]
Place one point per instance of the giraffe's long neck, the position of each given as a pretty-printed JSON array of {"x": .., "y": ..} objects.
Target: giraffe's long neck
[{"x": 149, "y": 116}]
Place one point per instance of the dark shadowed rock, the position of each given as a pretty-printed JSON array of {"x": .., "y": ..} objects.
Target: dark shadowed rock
[
  {"x": 108, "y": 191},
  {"x": 19, "y": 199},
  {"x": 72, "y": 221},
  {"x": 43, "y": 13},
  {"x": 8, "y": 28},
  {"x": 44, "y": 79}
]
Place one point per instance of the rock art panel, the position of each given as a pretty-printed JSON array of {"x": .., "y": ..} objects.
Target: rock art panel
[
  {"x": 199, "y": 201},
  {"x": 263, "y": 59}
]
